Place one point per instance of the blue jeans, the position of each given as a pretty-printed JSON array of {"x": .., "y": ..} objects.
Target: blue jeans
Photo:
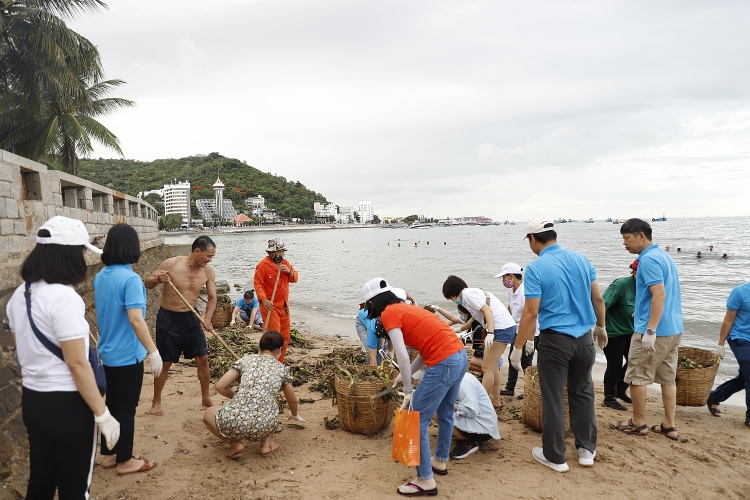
[
  {"x": 246, "y": 317},
  {"x": 436, "y": 394},
  {"x": 741, "y": 350},
  {"x": 505, "y": 335}
]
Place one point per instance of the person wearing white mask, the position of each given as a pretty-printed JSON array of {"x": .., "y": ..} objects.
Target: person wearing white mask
[
  {"x": 61, "y": 403},
  {"x": 513, "y": 281}
]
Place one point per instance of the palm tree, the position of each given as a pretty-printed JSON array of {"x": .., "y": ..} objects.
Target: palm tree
[{"x": 51, "y": 84}]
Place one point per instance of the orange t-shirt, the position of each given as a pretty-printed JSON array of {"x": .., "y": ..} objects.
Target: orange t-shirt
[{"x": 423, "y": 331}]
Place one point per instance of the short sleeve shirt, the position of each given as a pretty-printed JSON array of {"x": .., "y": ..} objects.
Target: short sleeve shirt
[
  {"x": 656, "y": 266},
  {"x": 248, "y": 308},
  {"x": 619, "y": 301},
  {"x": 739, "y": 300},
  {"x": 116, "y": 289},
  {"x": 59, "y": 314},
  {"x": 561, "y": 279},
  {"x": 473, "y": 300},
  {"x": 423, "y": 331},
  {"x": 369, "y": 324},
  {"x": 516, "y": 301}
]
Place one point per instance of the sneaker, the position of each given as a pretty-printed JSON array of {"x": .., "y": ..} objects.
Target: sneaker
[
  {"x": 506, "y": 392},
  {"x": 585, "y": 457},
  {"x": 538, "y": 454},
  {"x": 463, "y": 449}
]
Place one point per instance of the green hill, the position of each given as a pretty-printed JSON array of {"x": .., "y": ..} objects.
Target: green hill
[{"x": 291, "y": 199}]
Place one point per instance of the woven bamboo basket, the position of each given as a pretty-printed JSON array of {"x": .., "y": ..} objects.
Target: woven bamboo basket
[
  {"x": 222, "y": 316},
  {"x": 356, "y": 412},
  {"x": 532, "y": 401},
  {"x": 694, "y": 385}
]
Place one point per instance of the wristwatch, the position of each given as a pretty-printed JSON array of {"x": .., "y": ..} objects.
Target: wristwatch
[{"x": 650, "y": 331}]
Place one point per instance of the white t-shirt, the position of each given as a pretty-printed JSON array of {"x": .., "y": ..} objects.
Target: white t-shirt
[
  {"x": 473, "y": 300},
  {"x": 516, "y": 300},
  {"x": 59, "y": 313}
]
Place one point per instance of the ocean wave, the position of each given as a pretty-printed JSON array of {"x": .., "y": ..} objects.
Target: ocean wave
[{"x": 345, "y": 316}]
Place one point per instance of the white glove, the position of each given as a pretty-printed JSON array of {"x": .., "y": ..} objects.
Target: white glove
[
  {"x": 154, "y": 359},
  {"x": 457, "y": 329},
  {"x": 407, "y": 400},
  {"x": 515, "y": 359},
  {"x": 719, "y": 351},
  {"x": 648, "y": 342},
  {"x": 109, "y": 427},
  {"x": 600, "y": 335},
  {"x": 232, "y": 322},
  {"x": 489, "y": 339},
  {"x": 529, "y": 347},
  {"x": 397, "y": 381},
  {"x": 295, "y": 417}
]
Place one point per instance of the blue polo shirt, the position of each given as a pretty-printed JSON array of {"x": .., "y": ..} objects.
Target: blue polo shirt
[
  {"x": 116, "y": 289},
  {"x": 248, "y": 308},
  {"x": 739, "y": 300},
  {"x": 562, "y": 279},
  {"x": 372, "y": 338},
  {"x": 656, "y": 266}
]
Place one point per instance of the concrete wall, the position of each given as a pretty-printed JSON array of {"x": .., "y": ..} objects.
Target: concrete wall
[{"x": 29, "y": 195}]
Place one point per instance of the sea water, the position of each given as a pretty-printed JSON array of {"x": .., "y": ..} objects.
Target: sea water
[{"x": 334, "y": 264}]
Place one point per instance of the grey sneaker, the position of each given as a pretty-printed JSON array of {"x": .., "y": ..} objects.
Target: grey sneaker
[
  {"x": 538, "y": 454},
  {"x": 585, "y": 457}
]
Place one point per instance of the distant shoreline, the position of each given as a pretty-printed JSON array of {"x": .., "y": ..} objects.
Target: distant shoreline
[{"x": 268, "y": 228}]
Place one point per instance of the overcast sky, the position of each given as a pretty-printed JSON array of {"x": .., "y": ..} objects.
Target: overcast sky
[{"x": 504, "y": 109}]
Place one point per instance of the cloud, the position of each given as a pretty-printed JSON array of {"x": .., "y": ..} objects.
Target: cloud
[{"x": 477, "y": 107}]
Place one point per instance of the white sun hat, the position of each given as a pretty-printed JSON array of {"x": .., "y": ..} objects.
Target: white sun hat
[
  {"x": 509, "y": 268},
  {"x": 374, "y": 287},
  {"x": 66, "y": 231}
]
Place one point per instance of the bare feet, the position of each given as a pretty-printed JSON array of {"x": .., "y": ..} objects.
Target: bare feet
[
  {"x": 267, "y": 450},
  {"x": 208, "y": 402},
  {"x": 237, "y": 449},
  {"x": 109, "y": 461},
  {"x": 156, "y": 408},
  {"x": 496, "y": 403}
]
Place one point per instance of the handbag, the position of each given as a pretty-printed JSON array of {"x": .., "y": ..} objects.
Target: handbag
[
  {"x": 406, "y": 437},
  {"x": 94, "y": 359}
]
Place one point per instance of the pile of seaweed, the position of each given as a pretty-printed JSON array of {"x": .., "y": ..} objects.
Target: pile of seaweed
[
  {"x": 689, "y": 364},
  {"x": 219, "y": 359}
]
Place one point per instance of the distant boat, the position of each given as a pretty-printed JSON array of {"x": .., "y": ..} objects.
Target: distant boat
[
  {"x": 420, "y": 225},
  {"x": 615, "y": 221},
  {"x": 589, "y": 221},
  {"x": 609, "y": 219},
  {"x": 663, "y": 218}
]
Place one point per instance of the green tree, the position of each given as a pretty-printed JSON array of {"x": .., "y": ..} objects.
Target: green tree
[
  {"x": 411, "y": 218},
  {"x": 375, "y": 219},
  {"x": 172, "y": 221}
]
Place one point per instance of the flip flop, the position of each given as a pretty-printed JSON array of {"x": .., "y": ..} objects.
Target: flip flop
[
  {"x": 421, "y": 492},
  {"x": 629, "y": 428},
  {"x": 147, "y": 466},
  {"x": 136, "y": 457},
  {"x": 273, "y": 448},
  {"x": 665, "y": 431},
  {"x": 440, "y": 472},
  {"x": 716, "y": 412}
]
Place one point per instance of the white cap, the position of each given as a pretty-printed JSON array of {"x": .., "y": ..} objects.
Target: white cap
[
  {"x": 374, "y": 287},
  {"x": 66, "y": 231},
  {"x": 538, "y": 225},
  {"x": 509, "y": 268}
]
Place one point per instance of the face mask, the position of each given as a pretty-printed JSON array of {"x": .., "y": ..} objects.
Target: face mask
[
  {"x": 508, "y": 282},
  {"x": 463, "y": 318},
  {"x": 459, "y": 301},
  {"x": 277, "y": 258}
]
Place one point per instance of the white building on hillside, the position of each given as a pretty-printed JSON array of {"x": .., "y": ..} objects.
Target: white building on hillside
[
  {"x": 176, "y": 197},
  {"x": 208, "y": 211},
  {"x": 345, "y": 215},
  {"x": 365, "y": 212},
  {"x": 256, "y": 204}
]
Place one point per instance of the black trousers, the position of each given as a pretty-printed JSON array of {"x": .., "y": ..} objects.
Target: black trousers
[
  {"x": 62, "y": 444},
  {"x": 526, "y": 361},
  {"x": 616, "y": 350},
  {"x": 123, "y": 392},
  {"x": 562, "y": 357}
]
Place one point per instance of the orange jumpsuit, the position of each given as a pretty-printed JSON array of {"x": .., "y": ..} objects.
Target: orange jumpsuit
[{"x": 265, "y": 277}]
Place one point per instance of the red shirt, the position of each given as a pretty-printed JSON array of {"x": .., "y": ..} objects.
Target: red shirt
[{"x": 423, "y": 331}]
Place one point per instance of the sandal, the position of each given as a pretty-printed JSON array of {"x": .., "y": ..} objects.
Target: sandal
[
  {"x": 629, "y": 427},
  {"x": 665, "y": 431},
  {"x": 420, "y": 491},
  {"x": 273, "y": 448},
  {"x": 716, "y": 412}
]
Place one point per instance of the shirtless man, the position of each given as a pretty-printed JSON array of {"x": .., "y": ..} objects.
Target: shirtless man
[{"x": 178, "y": 331}]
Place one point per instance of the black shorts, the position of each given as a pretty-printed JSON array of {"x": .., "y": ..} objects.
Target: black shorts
[{"x": 179, "y": 333}]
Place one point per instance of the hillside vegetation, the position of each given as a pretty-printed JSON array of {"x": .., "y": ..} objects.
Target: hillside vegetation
[{"x": 291, "y": 199}]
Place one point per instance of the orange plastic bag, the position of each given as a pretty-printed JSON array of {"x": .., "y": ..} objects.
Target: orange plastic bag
[{"x": 406, "y": 437}]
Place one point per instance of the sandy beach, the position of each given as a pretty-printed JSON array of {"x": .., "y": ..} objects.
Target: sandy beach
[{"x": 711, "y": 460}]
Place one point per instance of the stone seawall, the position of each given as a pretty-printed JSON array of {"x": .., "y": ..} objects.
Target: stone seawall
[{"x": 30, "y": 194}]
